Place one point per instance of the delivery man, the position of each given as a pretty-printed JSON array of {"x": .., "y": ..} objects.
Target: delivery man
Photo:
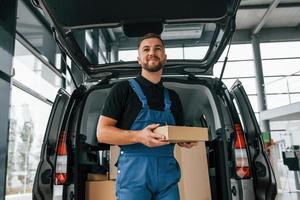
[{"x": 147, "y": 169}]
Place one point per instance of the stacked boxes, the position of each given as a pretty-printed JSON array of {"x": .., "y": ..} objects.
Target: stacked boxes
[
  {"x": 194, "y": 184},
  {"x": 113, "y": 157},
  {"x": 98, "y": 190}
]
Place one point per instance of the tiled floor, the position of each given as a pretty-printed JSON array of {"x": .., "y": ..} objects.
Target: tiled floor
[{"x": 288, "y": 196}]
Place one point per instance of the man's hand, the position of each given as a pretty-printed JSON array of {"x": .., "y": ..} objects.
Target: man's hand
[
  {"x": 187, "y": 144},
  {"x": 149, "y": 138}
]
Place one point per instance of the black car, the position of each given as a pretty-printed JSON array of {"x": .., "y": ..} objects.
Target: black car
[{"x": 238, "y": 165}]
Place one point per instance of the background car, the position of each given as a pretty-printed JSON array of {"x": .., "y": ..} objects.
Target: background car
[{"x": 238, "y": 166}]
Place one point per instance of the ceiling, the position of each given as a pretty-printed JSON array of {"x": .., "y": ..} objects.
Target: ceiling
[
  {"x": 285, "y": 14},
  {"x": 271, "y": 17},
  {"x": 270, "y": 20}
]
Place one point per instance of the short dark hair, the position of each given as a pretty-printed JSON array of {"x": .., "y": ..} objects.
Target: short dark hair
[{"x": 150, "y": 35}]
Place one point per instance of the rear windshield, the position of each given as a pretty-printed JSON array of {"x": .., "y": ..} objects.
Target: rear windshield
[{"x": 182, "y": 41}]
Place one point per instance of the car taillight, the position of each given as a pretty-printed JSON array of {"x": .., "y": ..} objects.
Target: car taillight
[
  {"x": 241, "y": 157},
  {"x": 61, "y": 160}
]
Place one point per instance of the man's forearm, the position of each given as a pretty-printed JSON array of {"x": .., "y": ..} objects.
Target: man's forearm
[
  {"x": 107, "y": 132},
  {"x": 117, "y": 136}
]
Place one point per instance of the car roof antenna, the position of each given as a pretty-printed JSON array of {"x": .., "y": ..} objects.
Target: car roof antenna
[{"x": 226, "y": 58}]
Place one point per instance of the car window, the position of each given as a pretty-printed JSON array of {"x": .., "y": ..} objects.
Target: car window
[{"x": 180, "y": 40}]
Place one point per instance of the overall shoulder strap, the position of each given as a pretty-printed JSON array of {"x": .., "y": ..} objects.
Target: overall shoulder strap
[
  {"x": 139, "y": 92},
  {"x": 167, "y": 99}
]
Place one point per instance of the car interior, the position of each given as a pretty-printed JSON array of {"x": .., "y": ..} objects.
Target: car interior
[{"x": 200, "y": 110}]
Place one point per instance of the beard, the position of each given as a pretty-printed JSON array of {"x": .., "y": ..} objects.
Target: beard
[{"x": 152, "y": 68}]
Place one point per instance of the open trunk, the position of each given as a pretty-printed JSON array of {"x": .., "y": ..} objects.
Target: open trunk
[
  {"x": 201, "y": 108},
  {"x": 206, "y": 103}
]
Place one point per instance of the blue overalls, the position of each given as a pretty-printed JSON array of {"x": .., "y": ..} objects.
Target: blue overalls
[{"x": 146, "y": 173}]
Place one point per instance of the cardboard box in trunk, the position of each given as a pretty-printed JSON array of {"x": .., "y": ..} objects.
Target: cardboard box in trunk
[
  {"x": 194, "y": 183},
  {"x": 98, "y": 190},
  {"x": 113, "y": 157},
  {"x": 97, "y": 177},
  {"x": 176, "y": 134}
]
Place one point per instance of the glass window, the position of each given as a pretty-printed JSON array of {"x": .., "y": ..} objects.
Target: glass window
[
  {"x": 295, "y": 98},
  {"x": 281, "y": 67},
  {"x": 238, "y": 52},
  {"x": 276, "y": 85},
  {"x": 131, "y": 55},
  {"x": 31, "y": 72},
  {"x": 250, "y": 89},
  {"x": 286, "y": 68},
  {"x": 235, "y": 69},
  {"x": 182, "y": 40},
  {"x": 293, "y": 83},
  {"x": 195, "y": 52},
  {"x": 128, "y": 55},
  {"x": 174, "y": 53},
  {"x": 248, "y": 84},
  {"x": 280, "y": 50},
  {"x": 27, "y": 128},
  {"x": 274, "y": 101},
  {"x": 36, "y": 33}
]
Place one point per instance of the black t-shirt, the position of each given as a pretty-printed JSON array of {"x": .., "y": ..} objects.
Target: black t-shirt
[{"x": 123, "y": 105}]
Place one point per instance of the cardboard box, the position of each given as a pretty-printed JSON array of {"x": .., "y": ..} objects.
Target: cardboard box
[
  {"x": 183, "y": 133},
  {"x": 98, "y": 190},
  {"x": 194, "y": 183},
  {"x": 97, "y": 177},
  {"x": 113, "y": 157}
]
